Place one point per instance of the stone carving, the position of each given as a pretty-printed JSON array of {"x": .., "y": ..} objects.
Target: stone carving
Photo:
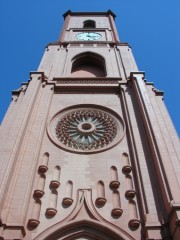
[
  {"x": 86, "y": 128},
  {"x": 87, "y": 82},
  {"x": 117, "y": 210},
  {"x": 55, "y": 183},
  {"x": 130, "y": 192},
  {"x": 34, "y": 221},
  {"x": 126, "y": 168},
  {"x": 39, "y": 192},
  {"x": 52, "y": 209},
  {"x": 114, "y": 178},
  {"x": 44, "y": 163},
  {"x": 100, "y": 200},
  {"x": 134, "y": 222},
  {"x": 89, "y": 45},
  {"x": 69, "y": 192}
]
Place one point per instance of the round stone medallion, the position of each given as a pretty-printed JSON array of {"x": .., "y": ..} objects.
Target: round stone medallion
[{"x": 86, "y": 128}]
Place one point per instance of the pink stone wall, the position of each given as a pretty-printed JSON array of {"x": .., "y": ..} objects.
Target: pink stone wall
[{"x": 129, "y": 190}]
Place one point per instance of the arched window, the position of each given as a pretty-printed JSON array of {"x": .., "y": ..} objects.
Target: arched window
[
  {"x": 89, "y": 24},
  {"x": 88, "y": 64}
]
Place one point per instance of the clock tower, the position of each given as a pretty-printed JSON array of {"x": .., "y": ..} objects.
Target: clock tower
[{"x": 88, "y": 150}]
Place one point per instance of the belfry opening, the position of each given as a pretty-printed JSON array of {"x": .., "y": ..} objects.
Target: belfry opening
[{"x": 88, "y": 64}]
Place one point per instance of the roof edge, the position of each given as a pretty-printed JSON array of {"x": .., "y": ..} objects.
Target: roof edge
[{"x": 69, "y": 12}]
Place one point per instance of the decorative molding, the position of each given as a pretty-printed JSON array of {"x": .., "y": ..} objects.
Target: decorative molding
[
  {"x": 39, "y": 192},
  {"x": 34, "y": 220},
  {"x": 95, "y": 225},
  {"x": 52, "y": 209},
  {"x": 134, "y": 222},
  {"x": 117, "y": 210},
  {"x": 55, "y": 183},
  {"x": 95, "y": 81},
  {"x": 114, "y": 178},
  {"x": 69, "y": 191},
  {"x": 44, "y": 163},
  {"x": 130, "y": 192},
  {"x": 126, "y": 168},
  {"x": 67, "y": 43},
  {"x": 100, "y": 200},
  {"x": 158, "y": 92}
]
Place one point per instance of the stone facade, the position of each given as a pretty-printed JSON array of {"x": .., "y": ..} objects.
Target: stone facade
[{"x": 88, "y": 150}]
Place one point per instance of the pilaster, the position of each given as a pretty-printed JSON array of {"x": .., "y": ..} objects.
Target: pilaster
[
  {"x": 144, "y": 184},
  {"x": 166, "y": 175},
  {"x": 24, "y": 162}
]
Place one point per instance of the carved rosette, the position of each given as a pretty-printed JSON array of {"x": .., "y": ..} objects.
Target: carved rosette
[{"x": 87, "y": 129}]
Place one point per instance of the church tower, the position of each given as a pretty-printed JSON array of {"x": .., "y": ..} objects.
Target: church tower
[{"x": 87, "y": 148}]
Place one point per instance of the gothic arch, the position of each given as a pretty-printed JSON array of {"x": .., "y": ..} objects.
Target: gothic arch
[
  {"x": 90, "y": 229},
  {"x": 88, "y": 64},
  {"x": 84, "y": 222}
]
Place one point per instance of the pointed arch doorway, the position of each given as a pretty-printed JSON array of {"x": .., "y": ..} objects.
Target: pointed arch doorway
[{"x": 84, "y": 230}]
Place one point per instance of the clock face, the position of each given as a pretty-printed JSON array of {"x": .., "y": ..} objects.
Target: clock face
[{"x": 88, "y": 36}]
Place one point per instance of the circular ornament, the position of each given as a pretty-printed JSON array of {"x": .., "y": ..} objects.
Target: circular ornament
[
  {"x": 92, "y": 36},
  {"x": 86, "y": 129}
]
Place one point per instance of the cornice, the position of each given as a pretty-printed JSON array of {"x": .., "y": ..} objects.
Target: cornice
[
  {"x": 88, "y": 42},
  {"x": 109, "y": 12}
]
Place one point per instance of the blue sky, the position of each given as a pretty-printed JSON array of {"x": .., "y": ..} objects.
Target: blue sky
[{"x": 151, "y": 27}]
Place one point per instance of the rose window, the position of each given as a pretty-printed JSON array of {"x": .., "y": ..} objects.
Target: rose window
[{"x": 87, "y": 129}]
